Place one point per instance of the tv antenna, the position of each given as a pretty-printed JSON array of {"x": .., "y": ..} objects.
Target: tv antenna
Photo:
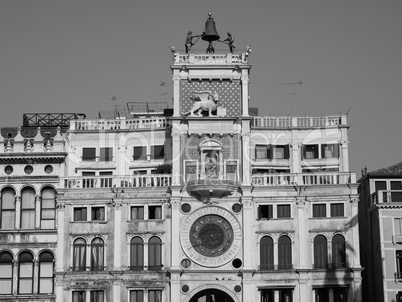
[{"x": 294, "y": 83}]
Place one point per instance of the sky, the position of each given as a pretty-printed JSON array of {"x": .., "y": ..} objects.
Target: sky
[{"x": 74, "y": 56}]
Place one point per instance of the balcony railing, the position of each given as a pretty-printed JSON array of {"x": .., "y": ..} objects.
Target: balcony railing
[
  {"x": 385, "y": 196},
  {"x": 203, "y": 58},
  {"x": 284, "y": 179},
  {"x": 82, "y": 182},
  {"x": 298, "y": 122},
  {"x": 122, "y": 124}
]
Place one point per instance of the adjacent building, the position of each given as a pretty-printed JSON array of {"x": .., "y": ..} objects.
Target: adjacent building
[
  {"x": 380, "y": 219},
  {"x": 200, "y": 202}
]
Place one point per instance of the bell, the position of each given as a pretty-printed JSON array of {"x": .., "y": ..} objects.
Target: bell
[{"x": 210, "y": 34}]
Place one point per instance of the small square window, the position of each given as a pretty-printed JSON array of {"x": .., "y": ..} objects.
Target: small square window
[
  {"x": 88, "y": 153},
  {"x": 140, "y": 153},
  {"x": 337, "y": 210},
  {"x": 319, "y": 210},
  {"x": 155, "y": 212},
  {"x": 96, "y": 296},
  {"x": 330, "y": 151},
  {"x": 79, "y": 296},
  {"x": 157, "y": 152},
  {"x": 98, "y": 213},
  {"x": 137, "y": 213},
  {"x": 265, "y": 211},
  {"x": 310, "y": 151},
  {"x": 261, "y": 152},
  {"x": 80, "y": 214},
  {"x": 106, "y": 154},
  {"x": 283, "y": 210}
]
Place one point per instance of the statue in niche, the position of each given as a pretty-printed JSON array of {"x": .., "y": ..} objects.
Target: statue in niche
[
  {"x": 211, "y": 165},
  {"x": 204, "y": 100}
]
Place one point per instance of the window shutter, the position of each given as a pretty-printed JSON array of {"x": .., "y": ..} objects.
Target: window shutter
[
  {"x": 270, "y": 151},
  {"x": 287, "y": 155}
]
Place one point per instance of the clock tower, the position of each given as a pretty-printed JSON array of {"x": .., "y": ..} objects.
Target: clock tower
[{"x": 210, "y": 127}]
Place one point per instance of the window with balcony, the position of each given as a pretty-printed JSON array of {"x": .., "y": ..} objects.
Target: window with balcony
[
  {"x": 97, "y": 254},
  {"x": 283, "y": 211},
  {"x": 266, "y": 253},
  {"x": 265, "y": 211},
  {"x": 157, "y": 152},
  {"x": 7, "y": 209},
  {"x": 330, "y": 151},
  {"x": 140, "y": 153},
  {"x": 89, "y": 154},
  {"x": 396, "y": 186},
  {"x": 154, "y": 253},
  {"x": 79, "y": 255},
  {"x": 336, "y": 294},
  {"x": 136, "y": 254},
  {"x": 6, "y": 273},
  {"x": 80, "y": 214},
  {"x": 310, "y": 151},
  {"x": 284, "y": 294},
  {"x": 98, "y": 213},
  {"x": 88, "y": 179},
  {"x": 319, "y": 210},
  {"x": 137, "y": 213},
  {"x": 155, "y": 212},
  {"x": 136, "y": 296},
  {"x": 48, "y": 209},
  {"x": 106, "y": 154},
  {"x": 337, "y": 210},
  {"x": 46, "y": 267},
  {"x": 338, "y": 251},
  {"x": 320, "y": 252},
  {"x": 106, "y": 179},
  {"x": 25, "y": 273},
  {"x": 284, "y": 252},
  {"x": 28, "y": 208}
]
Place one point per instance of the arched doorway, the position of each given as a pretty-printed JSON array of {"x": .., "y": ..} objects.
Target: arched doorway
[{"x": 211, "y": 295}]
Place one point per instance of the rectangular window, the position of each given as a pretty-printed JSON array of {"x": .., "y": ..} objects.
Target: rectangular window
[
  {"x": 88, "y": 153},
  {"x": 396, "y": 196},
  {"x": 79, "y": 296},
  {"x": 155, "y": 212},
  {"x": 136, "y": 296},
  {"x": 157, "y": 152},
  {"x": 279, "y": 152},
  {"x": 261, "y": 152},
  {"x": 6, "y": 277},
  {"x": 398, "y": 226},
  {"x": 265, "y": 211},
  {"x": 337, "y": 210},
  {"x": 310, "y": 151},
  {"x": 154, "y": 296},
  {"x": 48, "y": 209},
  {"x": 96, "y": 296},
  {"x": 98, "y": 213},
  {"x": 80, "y": 214},
  {"x": 140, "y": 153},
  {"x": 330, "y": 151},
  {"x": 25, "y": 284},
  {"x": 137, "y": 213},
  {"x": 399, "y": 264},
  {"x": 283, "y": 210},
  {"x": 319, "y": 210},
  {"x": 106, "y": 154},
  {"x": 7, "y": 209},
  {"x": 46, "y": 277},
  {"x": 284, "y": 295}
]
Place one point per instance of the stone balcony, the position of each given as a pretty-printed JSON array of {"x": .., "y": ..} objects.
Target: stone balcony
[
  {"x": 145, "y": 123},
  {"x": 290, "y": 179},
  {"x": 199, "y": 58},
  {"x": 281, "y": 122}
]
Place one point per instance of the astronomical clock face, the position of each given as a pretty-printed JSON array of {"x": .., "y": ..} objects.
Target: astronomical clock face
[{"x": 211, "y": 236}]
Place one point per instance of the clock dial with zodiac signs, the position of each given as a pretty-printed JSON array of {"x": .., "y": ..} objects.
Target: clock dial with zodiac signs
[{"x": 211, "y": 236}]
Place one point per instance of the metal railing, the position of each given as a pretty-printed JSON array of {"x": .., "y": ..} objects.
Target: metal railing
[{"x": 385, "y": 196}]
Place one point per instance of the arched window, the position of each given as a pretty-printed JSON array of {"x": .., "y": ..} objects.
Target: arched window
[
  {"x": 338, "y": 251},
  {"x": 154, "y": 253},
  {"x": 320, "y": 252},
  {"x": 25, "y": 273},
  {"x": 28, "y": 208},
  {"x": 284, "y": 253},
  {"x": 48, "y": 209},
  {"x": 136, "y": 254},
  {"x": 7, "y": 208},
  {"x": 46, "y": 267},
  {"x": 6, "y": 273},
  {"x": 79, "y": 255},
  {"x": 97, "y": 254},
  {"x": 266, "y": 253}
]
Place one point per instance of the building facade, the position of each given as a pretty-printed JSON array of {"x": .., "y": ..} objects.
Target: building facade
[
  {"x": 198, "y": 204},
  {"x": 380, "y": 217}
]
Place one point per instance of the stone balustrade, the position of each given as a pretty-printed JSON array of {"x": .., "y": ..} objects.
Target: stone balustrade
[{"x": 284, "y": 179}]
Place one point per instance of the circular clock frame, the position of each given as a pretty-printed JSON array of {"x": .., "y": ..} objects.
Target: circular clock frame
[{"x": 211, "y": 236}]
